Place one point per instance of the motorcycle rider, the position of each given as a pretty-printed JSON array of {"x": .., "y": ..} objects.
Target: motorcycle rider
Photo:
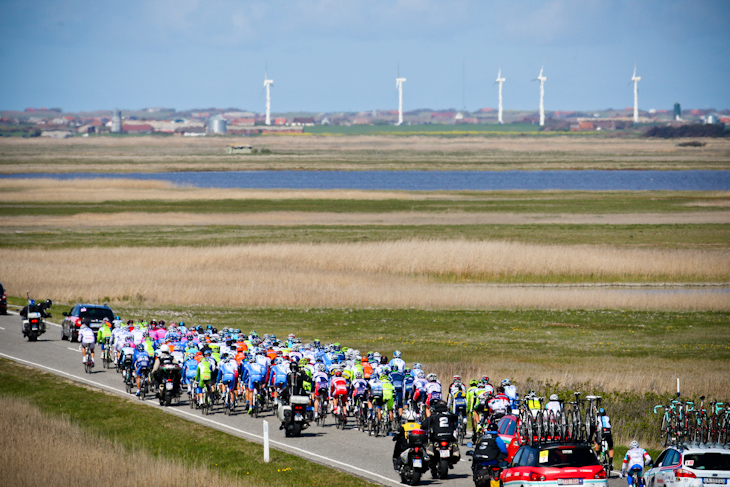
[
  {"x": 489, "y": 450},
  {"x": 401, "y": 437},
  {"x": 441, "y": 426},
  {"x": 165, "y": 358}
]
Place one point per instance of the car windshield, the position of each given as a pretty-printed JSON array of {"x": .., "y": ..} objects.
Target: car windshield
[
  {"x": 96, "y": 313},
  {"x": 707, "y": 461},
  {"x": 559, "y": 456}
]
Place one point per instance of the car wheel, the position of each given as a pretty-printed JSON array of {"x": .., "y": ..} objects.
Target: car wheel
[{"x": 63, "y": 335}]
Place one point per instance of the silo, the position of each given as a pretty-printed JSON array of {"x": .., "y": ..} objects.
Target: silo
[
  {"x": 116, "y": 121},
  {"x": 677, "y": 111},
  {"x": 216, "y": 125}
]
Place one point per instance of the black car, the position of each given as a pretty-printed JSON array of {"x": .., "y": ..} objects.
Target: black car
[
  {"x": 91, "y": 314},
  {"x": 3, "y": 301}
]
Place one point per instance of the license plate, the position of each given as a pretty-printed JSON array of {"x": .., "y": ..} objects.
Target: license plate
[
  {"x": 570, "y": 481},
  {"x": 714, "y": 480},
  {"x": 35, "y": 327},
  {"x": 444, "y": 453},
  {"x": 298, "y": 417},
  {"x": 417, "y": 463}
]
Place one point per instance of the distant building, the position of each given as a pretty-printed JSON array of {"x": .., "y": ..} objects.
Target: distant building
[{"x": 239, "y": 149}]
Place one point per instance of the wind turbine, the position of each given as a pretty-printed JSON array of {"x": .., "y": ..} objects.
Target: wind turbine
[
  {"x": 267, "y": 86},
  {"x": 399, "y": 86},
  {"x": 500, "y": 80},
  {"x": 542, "y": 80},
  {"x": 636, "y": 80}
]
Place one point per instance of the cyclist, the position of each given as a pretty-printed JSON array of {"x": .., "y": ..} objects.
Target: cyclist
[
  {"x": 204, "y": 374},
  {"x": 338, "y": 391},
  {"x": 190, "y": 368},
  {"x": 255, "y": 373},
  {"x": 419, "y": 390},
  {"x": 388, "y": 393},
  {"x": 375, "y": 396},
  {"x": 104, "y": 335},
  {"x": 228, "y": 376},
  {"x": 141, "y": 365},
  {"x": 397, "y": 362},
  {"x": 397, "y": 378},
  {"x": 634, "y": 462},
  {"x": 511, "y": 392},
  {"x": 606, "y": 433},
  {"x": 320, "y": 382},
  {"x": 359, "y": 390},
  {"x": 88, "y": 342},
  {"x": 433, "y": 390},
  {"x": 277, "y": 377}
]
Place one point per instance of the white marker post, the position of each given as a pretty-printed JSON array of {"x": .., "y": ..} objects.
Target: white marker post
[
  {"x": 677, "y": 386},
  {"x": 266, "y": 442}
]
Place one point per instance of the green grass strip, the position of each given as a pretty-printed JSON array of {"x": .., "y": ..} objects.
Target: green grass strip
[{"x": 136, "y": 427}]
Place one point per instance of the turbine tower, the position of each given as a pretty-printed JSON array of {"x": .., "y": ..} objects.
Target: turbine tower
[
  {"x": 542, "y": 80},
  {"x": 267, "y": 86},
  {"x": 399, "y": 86},
  {"x": 500, "y": 80},
  {"x": 636, "y": 80}
]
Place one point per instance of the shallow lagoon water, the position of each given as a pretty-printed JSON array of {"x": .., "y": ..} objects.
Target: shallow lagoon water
[{"x": 433, "y": 180}]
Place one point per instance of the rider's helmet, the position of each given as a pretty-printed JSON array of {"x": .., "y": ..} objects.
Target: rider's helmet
[
  {"x": 376, "y": 356},
  {"x": 409, "y": 415},
  {"x": 165, "y": 348},
  {"x": 456, "y": 379},
  {"x": 634, "y": 444},
  {"x": 383, "y": 378},
  {"x": 31, "y": 302},
  {"x": 303, "y": 361},
  {"x": 553, "y": 397},
  {"x": 189, "y": 355},
  {"x": 336, "y": 346},
  {"x": 338, "y": 373},
  {"x": 50, "y": 303},
  {"x": 417, "y": 365},
  {"x": 321, "y": 367},
  {"x": 432, "y": 377},
  {"x": 396, "y": 354},
  {"x": 347, "y": 374},
  {"x": 207, "y": 353},
  {"x": 140, "y": 347},
  {"x": 406, "y": 371},
  {"x": 485, "y": 379},
  {"x": 385, "y": 370},
  {"x": 506, "y": 382},
  {"x": 316, "y": 343},
  {"x": 602, "y": 412},
  {"x": 278, "y": 361},
  {"x": 358, "y": 374},
  {"x": 252, "y": 359},
  {"x": 225, "y": 356},
  {"x": 473, "y": 383},
  {"x": 420, "y": 374}
]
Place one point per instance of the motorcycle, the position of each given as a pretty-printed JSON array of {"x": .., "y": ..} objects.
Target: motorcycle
[
  {"x": 169, "y": 386},
  {"x": 486, "y": 465},
  {"x": 444, "y": 455},
  {"x": 414, "y": 460},
  {"x": 33, "y": 316},
  {"x": 293, "y": 416}
]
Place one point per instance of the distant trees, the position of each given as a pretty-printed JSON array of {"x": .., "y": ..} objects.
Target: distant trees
[{"x": 696, "y": 130}]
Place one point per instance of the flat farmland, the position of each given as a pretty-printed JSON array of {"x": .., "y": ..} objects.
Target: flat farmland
[{"x": 545, "y": 287}]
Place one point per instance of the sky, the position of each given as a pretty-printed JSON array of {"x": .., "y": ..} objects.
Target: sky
[{"x": 344, "y": 55}]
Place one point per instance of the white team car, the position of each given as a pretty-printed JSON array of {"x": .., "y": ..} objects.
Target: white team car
[{"x": 690, "y": 467}]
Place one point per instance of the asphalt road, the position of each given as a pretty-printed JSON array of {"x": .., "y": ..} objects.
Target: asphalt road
[{"x": 350, "y": 450}]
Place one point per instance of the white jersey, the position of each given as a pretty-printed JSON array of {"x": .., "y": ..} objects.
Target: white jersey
[
  {"x": 137, "y": 336},
  {"x": 87, "y": 335},
  {"x": 497, "y": 405},
  {"x": 432, "y": 387},
  {"x": 398, "y": 363},
  {"x": 511, "y": 392},
  {"x": 636, "y": 457}
]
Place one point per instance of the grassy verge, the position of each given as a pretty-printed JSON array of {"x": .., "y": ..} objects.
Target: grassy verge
[
  {"x": 469, "y": 202},
  {"x": 656, "y": 236},
  {"x": 140, "y": 428}
]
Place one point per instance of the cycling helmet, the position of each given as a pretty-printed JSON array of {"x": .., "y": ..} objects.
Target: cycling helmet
[
  {"x": 505, "y": 382},
  {"x": 485, "y": 379},
  {"x": 338, "y": 373},
  {"x": 321, "y": 367},
  {"x": 140, "y": 347},
  {"x": 376, "y": 356},
  {"x": 417, "y": 365},
  {"x": 303, "y": 361},
  {"x": 358, "y": 374},
  {"x": 165, "y": 348},
  {"x": 396, "y": 354},
  {"x": 383, "y": 377},
  {"x": 385, "y": 370},
  {"x": 316, "y": 343},
  {"x": 432, "y": 377},
  {"x": 553, "y": 397},
  {"x": 406, "y": 371},
  {"x": 207, "y": 353},
  {"x": 410, "y": 415},
  {"x": 420, "y": 374},
  {"x": 347, "y": 374},
  {"x": 252, "y": 359},
  {"x": 602, "y": 411},
  {"x": 634, "y": 444},
  {"x": 278, "y": 361},
  {"x": 225, "y": 356},
  {"x": 473, "y": 383}
]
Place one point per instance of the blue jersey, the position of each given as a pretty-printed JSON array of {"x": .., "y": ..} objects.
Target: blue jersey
[
  {"x": 141, "y": 359},
  {"x": 190, "y": 368},
  {"x": 278, "y": 375},
  {"x": 397, "y": 377}
]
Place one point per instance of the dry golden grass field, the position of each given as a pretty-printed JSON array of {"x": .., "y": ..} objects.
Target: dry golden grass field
[{"x": 153, "y": 154}]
